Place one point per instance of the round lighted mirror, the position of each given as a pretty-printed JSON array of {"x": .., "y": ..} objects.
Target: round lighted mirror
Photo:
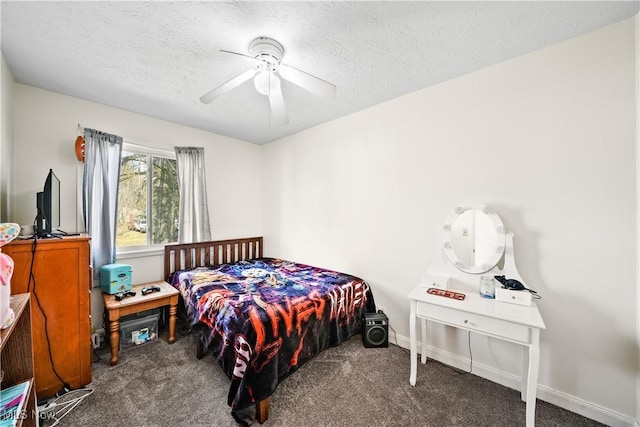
[{"x": 474, "y": 239}]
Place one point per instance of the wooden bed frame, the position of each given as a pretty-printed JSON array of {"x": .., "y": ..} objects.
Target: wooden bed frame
[{"x": 182, "y": 256}]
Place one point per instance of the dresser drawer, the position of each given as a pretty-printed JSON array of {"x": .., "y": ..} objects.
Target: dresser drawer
[{"x": 474, "y": 322}]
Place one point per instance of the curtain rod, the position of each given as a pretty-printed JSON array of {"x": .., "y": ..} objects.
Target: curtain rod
[{"x": 136, "y": 143}]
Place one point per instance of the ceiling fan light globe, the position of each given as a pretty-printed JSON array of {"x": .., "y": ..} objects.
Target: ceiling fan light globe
[
  {"x": 278, "y": 111},
  {"x": 261, "y": 82},
  {"x": 274, "y": 83}
]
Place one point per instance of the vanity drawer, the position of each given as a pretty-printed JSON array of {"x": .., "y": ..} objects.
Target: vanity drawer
[{"x": 474, "y": 322}]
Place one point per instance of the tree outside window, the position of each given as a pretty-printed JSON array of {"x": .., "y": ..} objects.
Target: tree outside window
[{"x": 148, "y": 199}]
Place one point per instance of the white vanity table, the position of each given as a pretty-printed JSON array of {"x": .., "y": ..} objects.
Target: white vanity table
[{"x": 459, "y": 264}]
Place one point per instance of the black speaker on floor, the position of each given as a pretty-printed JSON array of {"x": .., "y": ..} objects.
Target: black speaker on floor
[{"x": 375, "y": 330}]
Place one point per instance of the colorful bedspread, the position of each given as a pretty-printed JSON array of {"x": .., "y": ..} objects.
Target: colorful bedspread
[{"x": 264, "y": 318}]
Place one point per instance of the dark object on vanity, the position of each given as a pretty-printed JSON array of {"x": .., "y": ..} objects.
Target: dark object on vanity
[{"x": 512, "y": 284}]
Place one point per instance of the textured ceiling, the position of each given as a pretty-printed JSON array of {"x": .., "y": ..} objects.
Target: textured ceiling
[{"x": 158, "y": 58}]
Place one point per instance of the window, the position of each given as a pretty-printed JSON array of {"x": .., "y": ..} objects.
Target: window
[{"x": 148, "y": 199}]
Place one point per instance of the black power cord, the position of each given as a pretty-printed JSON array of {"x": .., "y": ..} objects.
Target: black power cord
[
  {"x": 65, "y": 386},
  {"x": 459, "y": 371}
]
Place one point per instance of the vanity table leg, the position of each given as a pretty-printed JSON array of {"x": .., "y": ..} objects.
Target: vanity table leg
[
  {"x": 532, "y": 377},
  {"x": 423, "y": 329},
  {"x": 525, "y": 373},
  {"x": 412, "y": 343}
]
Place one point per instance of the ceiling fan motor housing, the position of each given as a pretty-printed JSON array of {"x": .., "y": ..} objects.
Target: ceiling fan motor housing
[{"x": 268, "y": 51}]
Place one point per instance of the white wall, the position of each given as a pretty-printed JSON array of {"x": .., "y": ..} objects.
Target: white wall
[
  {"x": 6, "y": 138},
  {"x": 637, "y": 421},
  {"x": 548, "y": 140},
  {"x": 45, "y": 131}
]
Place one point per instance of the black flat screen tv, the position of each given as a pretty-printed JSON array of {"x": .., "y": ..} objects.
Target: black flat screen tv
[{"x": 48, "y": 203}]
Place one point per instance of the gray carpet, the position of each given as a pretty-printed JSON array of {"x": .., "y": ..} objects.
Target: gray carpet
[{"x": 159, "y": 384}]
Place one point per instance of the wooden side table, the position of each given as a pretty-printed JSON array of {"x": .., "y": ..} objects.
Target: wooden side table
[{"x": 168, "y": 295}]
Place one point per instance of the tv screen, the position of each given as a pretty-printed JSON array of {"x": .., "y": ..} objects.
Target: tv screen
[{"x": 48, "y": 202}]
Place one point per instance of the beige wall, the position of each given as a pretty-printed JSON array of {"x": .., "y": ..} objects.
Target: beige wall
[
  {"x": 547, "y": 139},
  {"x": 637, "y": 19},
  {"x": 45, "y": 131},
  {"x": 46, "y": 128},
  {"x": 6, "y": 139}
]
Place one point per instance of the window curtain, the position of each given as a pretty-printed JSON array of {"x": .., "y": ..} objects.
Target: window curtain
[
  {"x": 100, "y": 182},
  {"x": 194, "y": 211}
]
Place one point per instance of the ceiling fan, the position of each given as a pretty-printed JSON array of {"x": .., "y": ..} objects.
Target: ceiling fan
[{"x": 267, "y": 53}]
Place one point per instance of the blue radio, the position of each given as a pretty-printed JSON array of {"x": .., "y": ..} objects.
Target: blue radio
[{"x": 115, "y": 278}]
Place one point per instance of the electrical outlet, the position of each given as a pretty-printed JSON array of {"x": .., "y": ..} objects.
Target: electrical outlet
[
  {"x": 95, "y": 340},
  {"x": 97, "y": 337}
]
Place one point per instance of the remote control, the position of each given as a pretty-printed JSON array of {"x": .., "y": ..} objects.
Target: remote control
[
  {"x": 120, "y": 295},
  {"x": 149, "y": 289},
  {"x": 445, "y": 293}
]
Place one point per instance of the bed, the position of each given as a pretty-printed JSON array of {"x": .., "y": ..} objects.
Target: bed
[{"x": 262, "y": 318}]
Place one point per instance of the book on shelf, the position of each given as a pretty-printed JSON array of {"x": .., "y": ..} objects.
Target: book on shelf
[{"x": 12, "y": 402}]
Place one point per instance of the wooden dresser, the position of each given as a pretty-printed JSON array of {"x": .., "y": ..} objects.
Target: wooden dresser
[{"x": 60, "y": 288}]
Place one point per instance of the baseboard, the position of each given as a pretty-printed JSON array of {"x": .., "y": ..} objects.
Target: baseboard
[{"x": 555, "y": 397}]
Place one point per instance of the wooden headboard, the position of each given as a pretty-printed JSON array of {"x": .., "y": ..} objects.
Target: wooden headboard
[{"x": 182, "y": 256}]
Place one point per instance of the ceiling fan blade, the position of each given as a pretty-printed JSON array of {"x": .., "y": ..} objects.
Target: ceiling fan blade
[
  {"x": 241, "y": 54},
  {"x": 307, "y": 81},
  {"x": 226, "y": 87},
  {"x": 276, "y": 101}
]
